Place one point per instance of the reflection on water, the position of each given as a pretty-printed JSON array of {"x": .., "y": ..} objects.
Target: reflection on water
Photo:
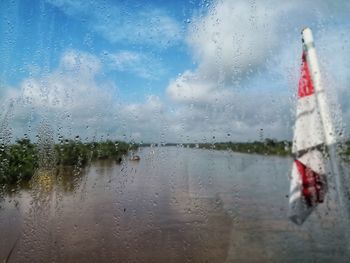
[{"x": 175, "y": 205}]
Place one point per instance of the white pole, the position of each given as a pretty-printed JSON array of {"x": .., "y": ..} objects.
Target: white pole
[{"x": 328, "y": 128}]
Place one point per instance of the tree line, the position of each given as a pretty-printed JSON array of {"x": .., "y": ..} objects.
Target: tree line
[
  {"x": 19, "y": 161},
  {"x": 266, "y": 147}
]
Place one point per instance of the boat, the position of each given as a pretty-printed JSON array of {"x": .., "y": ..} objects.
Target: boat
[{"x": 135, "y": 158}]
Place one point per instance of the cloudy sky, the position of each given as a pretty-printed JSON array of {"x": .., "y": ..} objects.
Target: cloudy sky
[{"x": 165, "y": 71}]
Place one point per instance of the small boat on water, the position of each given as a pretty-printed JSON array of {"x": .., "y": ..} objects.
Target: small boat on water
[{"x": 135, "y": 158}]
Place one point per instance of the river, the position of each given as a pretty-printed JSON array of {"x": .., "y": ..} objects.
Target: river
[{"x": 174, "y": 205}]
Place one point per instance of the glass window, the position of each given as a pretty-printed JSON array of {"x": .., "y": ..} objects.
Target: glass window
[{"x": 180, "y": 131}]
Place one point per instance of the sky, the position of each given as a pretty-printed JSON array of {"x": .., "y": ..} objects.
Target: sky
[{"x": 166, "y": 71}]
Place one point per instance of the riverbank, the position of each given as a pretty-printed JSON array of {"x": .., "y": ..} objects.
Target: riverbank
[
  {"x": 267, "y": 147},
  {"x": 19, "y": 161}
]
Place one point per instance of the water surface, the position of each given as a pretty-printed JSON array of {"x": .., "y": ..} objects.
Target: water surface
[{"x": 175, "y": 205}]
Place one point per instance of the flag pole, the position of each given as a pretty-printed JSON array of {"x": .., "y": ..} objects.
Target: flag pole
[{"x": 328, "y": 128}]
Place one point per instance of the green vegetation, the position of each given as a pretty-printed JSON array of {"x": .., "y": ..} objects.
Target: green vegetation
[
  {"x": 70, "y": 152},
  {"x": 19, "y": 161},
  {"x": 346, "y": 151},
  {"x": 267, "y": 147}
]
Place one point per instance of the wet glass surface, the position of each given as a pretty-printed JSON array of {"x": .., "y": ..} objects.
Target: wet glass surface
[
  {"x": 175, "y": 205},
  {"x": 231, "y": 91}
]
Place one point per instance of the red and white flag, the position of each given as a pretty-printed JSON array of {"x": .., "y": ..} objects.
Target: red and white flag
[{"x": 308, "y": 180}]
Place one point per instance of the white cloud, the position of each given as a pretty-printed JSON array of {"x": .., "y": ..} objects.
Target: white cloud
[
  {"x": 190, "y": 88},
  {"x": 73, "y": 102},
  {"x": 233, "y": 37},
  {"x": 118, "y": 22},
  {"x": 84, "y": 63},
  {"x": 229, "y": 43},
  {"x": 142, "y": 65},
  {"x": 248, "y": 55},
  {"x": 248, "y": 67},
  {"x": 68, "y": 98},
  {"x": 149, "y": 26},
  {"x": 70, "y": 87}
]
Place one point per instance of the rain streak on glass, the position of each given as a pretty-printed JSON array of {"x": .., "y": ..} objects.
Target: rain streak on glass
[{"x": 181, "y": 131}]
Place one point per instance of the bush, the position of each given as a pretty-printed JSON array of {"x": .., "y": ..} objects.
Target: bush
[{"x": 20, "y": 160}]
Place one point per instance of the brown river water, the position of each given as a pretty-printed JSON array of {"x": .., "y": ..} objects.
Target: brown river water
[{"x": 174, "y": 205}]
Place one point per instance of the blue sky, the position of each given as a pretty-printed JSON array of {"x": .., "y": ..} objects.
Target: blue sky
[
  {"x": 165, "y": 70},
  {"x": 38, "y": 32}
]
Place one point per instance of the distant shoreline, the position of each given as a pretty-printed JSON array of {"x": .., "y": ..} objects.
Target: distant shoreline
[
  {"x": 262, "y": 148},
  {"x": 267, "y": 147},
  {"x": 20, "y": 160}
]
